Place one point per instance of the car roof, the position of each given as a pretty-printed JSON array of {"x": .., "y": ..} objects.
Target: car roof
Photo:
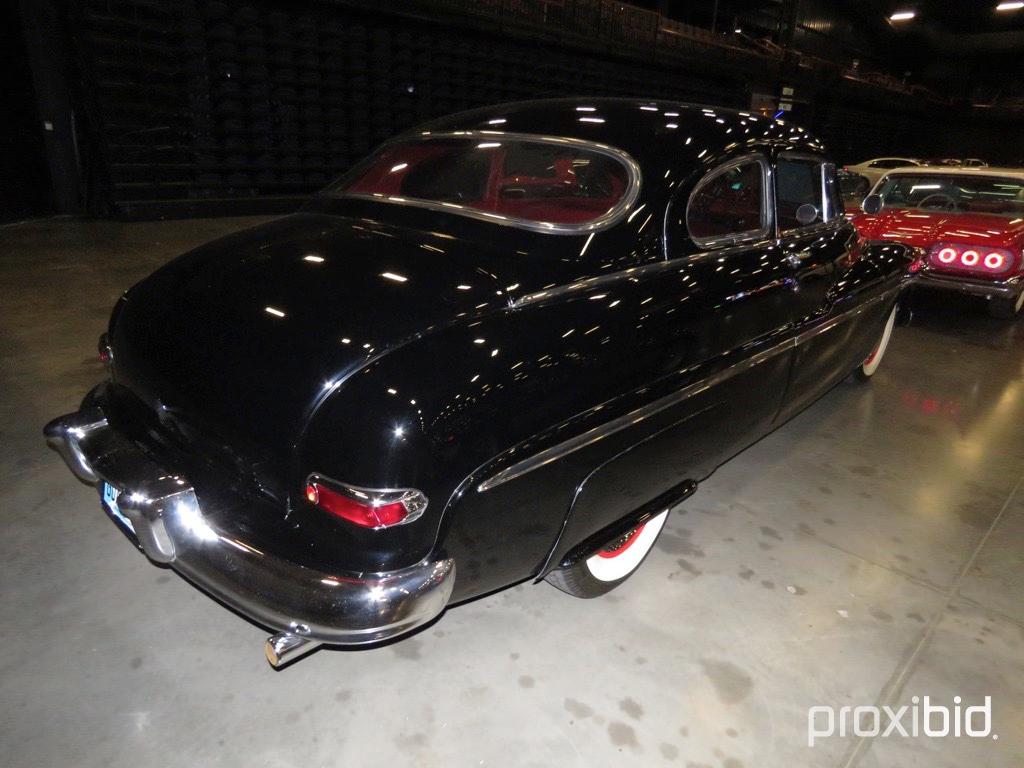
[
  {"x": 653, "y": 131},
  {"x": 886, "y": 157}
]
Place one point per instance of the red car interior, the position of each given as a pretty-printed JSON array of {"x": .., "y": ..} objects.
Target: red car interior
[{"x": 578, "y": 186}]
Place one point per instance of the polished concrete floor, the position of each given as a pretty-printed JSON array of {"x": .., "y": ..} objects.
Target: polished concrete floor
[{"x": 868, "y": 552}]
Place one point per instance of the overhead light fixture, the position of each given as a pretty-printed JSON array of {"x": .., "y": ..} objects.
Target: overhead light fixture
[
  {"x": 1012, "y": 5},
  {"x": 903, "y": 16}
]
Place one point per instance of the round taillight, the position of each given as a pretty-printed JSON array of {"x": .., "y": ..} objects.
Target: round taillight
[
  {"x": 969, "y": 258},
  {"x": 994, "y": 260},
  {"x": 947, "y": 255}
]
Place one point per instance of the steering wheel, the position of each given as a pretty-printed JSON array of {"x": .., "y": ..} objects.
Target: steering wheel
[{"x": 943, "y": 202}]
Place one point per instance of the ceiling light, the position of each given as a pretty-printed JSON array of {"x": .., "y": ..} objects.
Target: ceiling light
[
  {"x": 1012, "y": 5},
  {"x": 903, "y": 16}
]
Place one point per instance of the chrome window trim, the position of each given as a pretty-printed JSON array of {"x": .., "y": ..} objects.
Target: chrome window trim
[
  {"x": 605, "y": 220},
  {"x": 767, "y": 203},
  {"x": 592, "y": 435},
  {"x": 831, "y": 212}
]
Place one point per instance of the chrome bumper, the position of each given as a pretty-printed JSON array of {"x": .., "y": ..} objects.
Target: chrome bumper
[
  {"x": 307, "y": 607},
  {"x": 1003, "y": 289}
]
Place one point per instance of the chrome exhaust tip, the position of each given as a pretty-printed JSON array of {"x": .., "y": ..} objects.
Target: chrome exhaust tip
[{"x": 285, "y": 647}]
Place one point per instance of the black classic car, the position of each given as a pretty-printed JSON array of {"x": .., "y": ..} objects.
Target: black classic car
[{"x": 499, "y": 349}]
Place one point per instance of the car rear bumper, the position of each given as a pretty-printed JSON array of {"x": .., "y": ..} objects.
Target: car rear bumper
[
  {"x": 166, "y": 520},
  {"x": 1003, "y": 289}
]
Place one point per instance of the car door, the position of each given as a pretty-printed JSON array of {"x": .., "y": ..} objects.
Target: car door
[
  {"x": 715, "y": 317},
  {"x": 712, "y": 338},
  {"x": 820, "y": 246}
]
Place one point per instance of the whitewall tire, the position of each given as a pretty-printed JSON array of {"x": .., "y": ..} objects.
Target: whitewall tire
[
  {"x": 610, "y": 565},
  {"x": 1006, "y": 309},
  {"x": 867, "y": 369}
]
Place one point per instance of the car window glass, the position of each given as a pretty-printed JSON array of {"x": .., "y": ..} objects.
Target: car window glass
[
  {"x": 996, "y": 195},
  {"x": 513, "y": 180},
  {"x": 729, "y": 204},
  {"x": 798, "y": 182}
]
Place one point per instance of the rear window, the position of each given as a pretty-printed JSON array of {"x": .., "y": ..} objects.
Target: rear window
[{"x": 544, "y": 184}]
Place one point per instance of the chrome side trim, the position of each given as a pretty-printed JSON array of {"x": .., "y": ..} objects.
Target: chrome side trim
[
  {"x": 630, "y": 273},
  {"x": 635, "y": 416},
  {"x": 607, "y": 219},
  {"x": 828, "y": 323},
  {"x": 212, "y": 550},
  {"x": 591, "y": 436}
]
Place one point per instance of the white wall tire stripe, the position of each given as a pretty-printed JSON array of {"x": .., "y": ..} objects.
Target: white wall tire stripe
[
  {"x": 620, "y": 566},
  {"x": 871, "y": 364}
]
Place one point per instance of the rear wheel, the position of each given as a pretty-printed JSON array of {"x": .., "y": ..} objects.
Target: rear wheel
[
  {"x": 610, "y": 565},
  {"x": 1006, "y": 309},
  {"x": 866, "y": 370}
]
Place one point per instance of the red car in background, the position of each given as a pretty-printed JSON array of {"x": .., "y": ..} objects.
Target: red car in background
[{"x": 969, "y": 223}]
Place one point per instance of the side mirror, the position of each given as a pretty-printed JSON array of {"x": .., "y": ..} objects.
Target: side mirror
[
  {"x": 806, "y": 214},
  {"x": 872, "y": 204}
]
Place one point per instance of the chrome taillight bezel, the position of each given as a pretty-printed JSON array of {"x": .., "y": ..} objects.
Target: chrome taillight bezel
[{"x": 413, "y": 500}]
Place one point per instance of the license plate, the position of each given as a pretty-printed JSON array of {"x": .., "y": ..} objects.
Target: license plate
[{"x": 110, "y": 494}]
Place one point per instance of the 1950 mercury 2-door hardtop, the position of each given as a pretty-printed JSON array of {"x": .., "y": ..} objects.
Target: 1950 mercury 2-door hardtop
[{"x": 499, "y": 349}]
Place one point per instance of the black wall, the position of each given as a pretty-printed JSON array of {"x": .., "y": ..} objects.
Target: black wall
[
  {"x": 24, "y": 178},
  {"x": 248, "y": 105}
]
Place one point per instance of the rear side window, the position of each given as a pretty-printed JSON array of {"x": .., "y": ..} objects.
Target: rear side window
[
  {"x": 544, "y": 184},
  {"x": 800, "y": 192},
  {"x": 729, "y": 204}
]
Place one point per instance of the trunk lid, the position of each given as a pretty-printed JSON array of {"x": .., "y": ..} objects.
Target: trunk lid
[{"x": 238, "y": 338}]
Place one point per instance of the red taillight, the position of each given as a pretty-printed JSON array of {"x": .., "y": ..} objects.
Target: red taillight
[
  {"x": 994, "y": 260},
  {"x": 365, "y": 507},
  {"x": 973, "y": 259},
  {"x": 103, "y": 346}
]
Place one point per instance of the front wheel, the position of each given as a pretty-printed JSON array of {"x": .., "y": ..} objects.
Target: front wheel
[
  {"x": 866, "y": 370},
  {"x": 612, "y": 564},
  {"x": 1006, "y": 309}
]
